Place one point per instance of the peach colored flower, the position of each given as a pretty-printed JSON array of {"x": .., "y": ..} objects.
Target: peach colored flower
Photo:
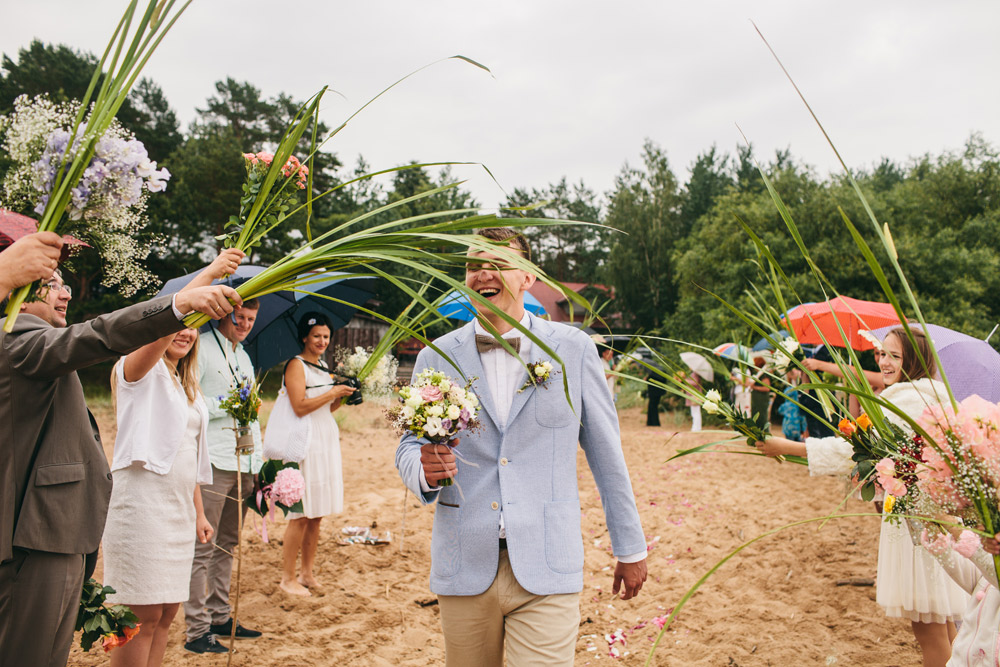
[
  {"x": 847, "y": 427},
  {"x": 864, "y": 422},
  {"x": 430, "y": 393}
]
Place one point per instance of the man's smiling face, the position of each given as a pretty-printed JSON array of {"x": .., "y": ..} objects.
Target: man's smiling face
[
  {"x": 53, "y": 299},
  {"x": 491, "y": 275}
]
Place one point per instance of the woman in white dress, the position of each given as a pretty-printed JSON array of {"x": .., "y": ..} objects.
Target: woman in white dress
[
  {"x": 160, "y": 458},
  {"x": 311, "y": 392},
  {"x": 911, "y": 584}
]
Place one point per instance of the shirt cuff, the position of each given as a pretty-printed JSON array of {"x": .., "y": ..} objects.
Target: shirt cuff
[
  {"x": 424, "y": 486},
  {"x": 173, "y": 305},
  {"x": 632, "y": 558}
]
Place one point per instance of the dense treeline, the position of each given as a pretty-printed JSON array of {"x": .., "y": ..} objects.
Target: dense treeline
[{"x": 678, "y": 242}]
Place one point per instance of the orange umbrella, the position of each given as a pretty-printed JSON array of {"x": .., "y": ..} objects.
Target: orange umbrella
[{"x": 809, "y": 321}]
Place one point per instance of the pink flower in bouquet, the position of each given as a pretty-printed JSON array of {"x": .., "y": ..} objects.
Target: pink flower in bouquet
[
  {"x": 893, "y": 486},
  {"x": 431, "y": 393},
  {"x": 288, "y": 486},
  {"x": 265, "y": 157},
  {"x": 967, "y": 543},
  {"x": 886, "y": 467},
  {"x": 938, "y": 546}
]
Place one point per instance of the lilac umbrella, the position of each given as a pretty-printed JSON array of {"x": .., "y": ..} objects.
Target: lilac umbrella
[{"x": 971, "y": 364}]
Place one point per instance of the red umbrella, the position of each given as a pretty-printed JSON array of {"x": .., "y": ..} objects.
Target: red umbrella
[
  {"x": 14, "y": 225},
  {"x": 808, "y": 321}
]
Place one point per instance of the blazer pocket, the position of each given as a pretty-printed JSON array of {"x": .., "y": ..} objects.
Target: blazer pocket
[
  {"x": 551, "y": 407},
  {"x": 563, "y": 541},
  {"x": 59, "y": 473},
  {"x": 446, "y": 540}
]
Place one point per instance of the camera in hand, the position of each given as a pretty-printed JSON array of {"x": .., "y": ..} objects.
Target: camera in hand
[{"x": 356, "y": 398}]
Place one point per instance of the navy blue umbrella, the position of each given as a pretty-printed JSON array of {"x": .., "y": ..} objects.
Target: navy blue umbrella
[
  {"x": 458, "y": 307},
  {"x": 274, "y": 337}
]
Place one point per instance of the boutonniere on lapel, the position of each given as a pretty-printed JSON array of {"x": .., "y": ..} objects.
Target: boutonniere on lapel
[{"x": 539, "y": 373}]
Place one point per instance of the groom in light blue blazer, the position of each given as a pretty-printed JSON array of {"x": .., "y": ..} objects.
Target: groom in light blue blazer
[{"x": 506, "y": 550}]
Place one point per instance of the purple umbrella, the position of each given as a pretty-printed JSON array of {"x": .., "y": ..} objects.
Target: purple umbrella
[{"x": 971, "y": 364}]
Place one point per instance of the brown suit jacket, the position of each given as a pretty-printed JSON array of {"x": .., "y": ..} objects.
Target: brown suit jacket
[{"x": 55, "y": 484}]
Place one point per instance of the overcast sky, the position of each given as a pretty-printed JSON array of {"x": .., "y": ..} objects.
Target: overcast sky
[{"x": 578, "y": 86}]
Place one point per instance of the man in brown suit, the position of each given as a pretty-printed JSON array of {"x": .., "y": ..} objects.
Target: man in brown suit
[{"x": 55, "y": 484}]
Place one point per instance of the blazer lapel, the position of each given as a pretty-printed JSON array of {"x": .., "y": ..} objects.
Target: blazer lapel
[
  {"x": 543, "y": 331},
  {"x": 466, "y": 356}
]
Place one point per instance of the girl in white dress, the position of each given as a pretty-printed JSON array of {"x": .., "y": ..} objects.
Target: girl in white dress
[
  {"x": 911, "y": 584},
  {"x": 160, "y": 458},
  {"x": 311, "y": 392}
]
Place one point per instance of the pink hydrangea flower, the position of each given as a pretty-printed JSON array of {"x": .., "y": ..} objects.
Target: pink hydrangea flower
[{"x": 288, "y": 487}]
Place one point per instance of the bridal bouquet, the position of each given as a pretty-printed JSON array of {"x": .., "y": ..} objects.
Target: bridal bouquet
[
  {"x": 243, "y": 400},
  {"x": 743, "y": 424},
  {"x": 107, "y": 206},
  {"x": 435, "y": 408},
  {"x": 241, "y": 230},
  {"x": 787, "y": 351},
  {"x": 380, "y": 382},
  {"x": 882, "y": 451},
  {"x": 961, "y": 470},
  {"x": 279, "y": 484},
  {"x": 113, "y": 625},
  {"x": 80, "y": 164}
]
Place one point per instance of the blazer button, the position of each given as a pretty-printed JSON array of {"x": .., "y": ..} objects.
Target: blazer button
[
  {"x": 97, "y": 437},
  {"x": 503, "y": 462},
  {"x": 109, "y": 476},
  {"x": 495, "y": 505}
]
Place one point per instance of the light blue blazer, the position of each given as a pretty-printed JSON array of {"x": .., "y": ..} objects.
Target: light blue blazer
[{"x": 527, "y": 467}]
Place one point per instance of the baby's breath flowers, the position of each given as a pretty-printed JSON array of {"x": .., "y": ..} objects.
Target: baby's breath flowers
[{"x": 107, "y": 206}]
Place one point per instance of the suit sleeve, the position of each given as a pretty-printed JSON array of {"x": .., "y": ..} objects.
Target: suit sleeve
[
  {"x": 408, "y": 453},
  {"x": 48, "y": 352},
  {"x": 601, "y": 442}
]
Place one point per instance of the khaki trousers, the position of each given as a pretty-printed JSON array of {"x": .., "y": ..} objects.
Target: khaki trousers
[
  {"x": 539, "y": 630},
  {"x": 212, "y": 568},
  {"x": 39, "y": 600}
]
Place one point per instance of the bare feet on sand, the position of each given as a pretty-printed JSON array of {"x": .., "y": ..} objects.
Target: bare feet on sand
[
  {"x": 308, "y": 581},
  {"x": 294, "y": 588}
]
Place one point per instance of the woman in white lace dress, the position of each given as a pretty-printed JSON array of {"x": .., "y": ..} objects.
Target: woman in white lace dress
[
  {"x": 910, "y": 583},
  {"x": 311, "y": 392}
]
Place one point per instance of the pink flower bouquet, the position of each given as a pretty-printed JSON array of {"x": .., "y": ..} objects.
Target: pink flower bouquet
[
  {"x": 435, "y": 408},
  {"x": 961, "y": 462}
]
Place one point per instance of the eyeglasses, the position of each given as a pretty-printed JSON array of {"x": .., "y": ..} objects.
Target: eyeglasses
[{"x": 59, "y": 287}]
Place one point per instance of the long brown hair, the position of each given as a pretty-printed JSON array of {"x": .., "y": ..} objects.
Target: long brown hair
[{"x": 916, "y": 362}]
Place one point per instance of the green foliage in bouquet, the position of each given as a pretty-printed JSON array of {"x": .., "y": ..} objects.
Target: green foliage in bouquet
[
  {"x": 113, "y": 625},
  {"x": 243, "y": 400}
]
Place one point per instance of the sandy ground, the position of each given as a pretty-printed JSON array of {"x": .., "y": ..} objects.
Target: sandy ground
[{"x": 776, "y": 603}]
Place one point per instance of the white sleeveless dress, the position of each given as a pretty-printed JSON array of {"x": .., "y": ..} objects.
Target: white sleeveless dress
[
  {"x": 150, "y": 533},
  {"x": 321, "y": 468}
]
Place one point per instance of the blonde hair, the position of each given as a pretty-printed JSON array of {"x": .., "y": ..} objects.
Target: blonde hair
[{"x": 187, "y": 371}]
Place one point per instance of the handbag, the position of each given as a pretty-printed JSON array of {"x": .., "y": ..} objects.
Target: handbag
[{"x": 287, "y": 435}]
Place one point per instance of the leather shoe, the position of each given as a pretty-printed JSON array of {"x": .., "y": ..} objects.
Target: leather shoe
[
  {"x": 226, "y": 630},
  {"x": 207, "y": 643}
]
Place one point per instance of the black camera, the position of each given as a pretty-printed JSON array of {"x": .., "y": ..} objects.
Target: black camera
[{"x": 356, "y": 398}]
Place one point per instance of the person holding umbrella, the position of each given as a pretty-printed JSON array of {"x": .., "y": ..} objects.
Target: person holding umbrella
[{"x": 313, "y": 394}]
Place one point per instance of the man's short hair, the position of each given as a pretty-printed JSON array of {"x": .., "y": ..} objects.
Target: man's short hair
[
  {"x": 251, "y": 304},
  {"x": 510, "y": 235}
]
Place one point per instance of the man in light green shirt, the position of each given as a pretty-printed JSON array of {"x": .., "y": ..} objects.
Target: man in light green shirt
[{"x": 221, "y": 359}]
